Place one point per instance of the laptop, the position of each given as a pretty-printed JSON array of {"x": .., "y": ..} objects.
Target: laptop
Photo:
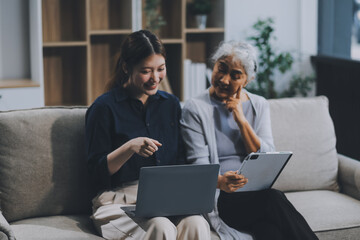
[
  {"x": 262, "y": 169},
  {"x": 175, "y": 190}
]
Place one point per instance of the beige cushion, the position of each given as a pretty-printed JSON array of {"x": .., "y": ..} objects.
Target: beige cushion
[
  {"x": 304, "y": 126},
  {"x": 326, "y": 210},
  {"x": 55, "y": 227},
  {"x": 43, "y": 163}
]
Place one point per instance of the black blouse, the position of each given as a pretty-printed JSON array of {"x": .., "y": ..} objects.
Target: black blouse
[{"x": 115, "y": 118}]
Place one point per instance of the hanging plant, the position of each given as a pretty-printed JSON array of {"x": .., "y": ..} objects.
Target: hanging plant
[{"x": 154, "y": 21}]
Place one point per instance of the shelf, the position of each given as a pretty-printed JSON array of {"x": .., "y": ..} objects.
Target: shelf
[
  {"x": 103, "y": 50},
  {"x": 207, "y": 30},
  {"x": 65, "y": 76},
  {"x": 214, "y": 20},
  {"x": 65, "y": 44},
  {"x": 110, "y": 14},
  {"x": 200, "y": 46},
  {"x": 18, "y": 83},
  {"x": 63, "y": 20},
  {"x": 81, "y": 38},
  {"x": 110, "y": 32},
  {"x": 172, "y": 41},
  {"x": 171, "y": 12}
]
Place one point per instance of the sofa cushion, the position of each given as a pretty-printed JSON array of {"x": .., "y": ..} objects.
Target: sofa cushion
[
  {"x": 327, "y": 210},
  {"x": 304, "y": 126},
  {"x": 55, "y": 227},
  {"x": 3, "y": 236},
  {"x": 43, "y": 163},
  {"x": 340, "y": 234}
]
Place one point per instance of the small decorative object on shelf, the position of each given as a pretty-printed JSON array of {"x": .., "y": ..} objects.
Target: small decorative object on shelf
[
  {"x": 154, "y": 21},
  {"x": 200, "y": 9}
]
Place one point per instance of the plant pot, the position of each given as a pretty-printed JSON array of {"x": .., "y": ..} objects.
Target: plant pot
[{"x": 201, "y": 21}]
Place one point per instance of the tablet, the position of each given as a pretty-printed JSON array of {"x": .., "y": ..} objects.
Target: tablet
[{"x": 262, "y": 169}]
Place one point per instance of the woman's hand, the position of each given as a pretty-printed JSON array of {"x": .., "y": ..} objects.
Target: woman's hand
[
  {"x": 144, "y": 146},
  {"x": 231, "y": 181},
  {"x": 233, "y": 104}
]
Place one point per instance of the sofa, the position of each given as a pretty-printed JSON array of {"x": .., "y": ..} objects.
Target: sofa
[{"x": 45, "y": 190}]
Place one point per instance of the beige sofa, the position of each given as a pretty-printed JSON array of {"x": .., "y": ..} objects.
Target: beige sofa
[{"x": 44, "y": 190}]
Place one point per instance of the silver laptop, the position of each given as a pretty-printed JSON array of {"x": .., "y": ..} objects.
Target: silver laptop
[{"x": 175, "y": 190}]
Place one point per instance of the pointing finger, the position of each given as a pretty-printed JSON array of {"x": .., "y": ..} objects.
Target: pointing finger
[
  {"x": 156, "y": 142},
  {"x": 149, "y": 142}
]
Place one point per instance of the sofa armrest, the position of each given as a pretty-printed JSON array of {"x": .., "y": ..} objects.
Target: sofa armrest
[
  {"x": 349, "y": 176},
  {"x": 5, "y": 229}
]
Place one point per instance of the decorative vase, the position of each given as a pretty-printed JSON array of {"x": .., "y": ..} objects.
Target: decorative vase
[{"x": 201, "y": 21}]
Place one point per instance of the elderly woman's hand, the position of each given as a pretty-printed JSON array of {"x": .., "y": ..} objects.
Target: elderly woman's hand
[
  {"x": 231, "y": 181},
  {"x": 233, "y": 104}
]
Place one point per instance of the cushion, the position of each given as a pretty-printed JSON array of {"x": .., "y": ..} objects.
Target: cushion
[
  {"x": 304, "y": 126},
  {"x": 74, "y": 227},
  {"x": 340, "y": 234},
  {"x": 43, "y": 163},
  {"x": 3, "y": 236},
  {"x": 327, "y": 210}
]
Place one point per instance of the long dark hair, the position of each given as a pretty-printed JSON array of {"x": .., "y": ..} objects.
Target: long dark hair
[{"x": 135, "y": 47}]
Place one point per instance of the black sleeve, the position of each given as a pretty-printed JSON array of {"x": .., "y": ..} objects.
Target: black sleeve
[{"x": 98, "y": 125}]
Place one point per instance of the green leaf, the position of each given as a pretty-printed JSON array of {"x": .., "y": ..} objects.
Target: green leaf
[{"x": 270, "y": 61}]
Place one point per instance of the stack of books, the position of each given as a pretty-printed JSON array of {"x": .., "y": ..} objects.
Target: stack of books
[{"x": 196, "y": 76}]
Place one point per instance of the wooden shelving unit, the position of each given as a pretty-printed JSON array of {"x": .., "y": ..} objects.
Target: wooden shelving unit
[
  {"x": 18, "y": 83},
  {"x": 183, "y": 40},
  {"x": 80, "y": 39}
]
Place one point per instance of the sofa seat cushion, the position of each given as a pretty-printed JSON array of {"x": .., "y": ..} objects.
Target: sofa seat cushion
[
  {"x": 3, "y": 236},
  {"x": 326, "y": 210},
  {"x": 304, "y": 126},
  {"x": 74, "y": 227},
  {"x": 340, "y": 234}
]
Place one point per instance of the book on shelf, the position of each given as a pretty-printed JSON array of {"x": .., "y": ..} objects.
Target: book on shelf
[
  {"x": 195, "y": 75},
  {"x": 187, "y": 79},
  {"x": 208, "y": 76}
]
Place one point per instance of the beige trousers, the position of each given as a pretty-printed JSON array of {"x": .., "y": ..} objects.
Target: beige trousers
[{"x": 113, "y": 223}]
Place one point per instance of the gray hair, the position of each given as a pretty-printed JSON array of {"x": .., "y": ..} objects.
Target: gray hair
[{"x": 240, "y": 51}]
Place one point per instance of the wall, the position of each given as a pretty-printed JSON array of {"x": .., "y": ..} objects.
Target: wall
[
  {"x": 335, "y": 24},
  {"x": 21, "y": 53},
  {"x": 14, "y": 39},
  {"x": 295, "y": 27}
]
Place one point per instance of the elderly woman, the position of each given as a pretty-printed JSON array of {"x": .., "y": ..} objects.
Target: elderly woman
[{"x": 223, "y": 125}]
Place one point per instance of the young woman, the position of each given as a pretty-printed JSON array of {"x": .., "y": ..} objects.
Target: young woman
[
  {"x": 130, "y": 126},
  {"x": 225, "y": 124}
]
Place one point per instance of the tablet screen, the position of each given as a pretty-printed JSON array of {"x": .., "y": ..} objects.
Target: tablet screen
[{"x": 262, "y": 169}]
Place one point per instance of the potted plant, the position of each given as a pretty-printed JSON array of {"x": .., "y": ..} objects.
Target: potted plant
[
  {"x": 271, "y": 61},
  {"x": 200, "y": 9}
]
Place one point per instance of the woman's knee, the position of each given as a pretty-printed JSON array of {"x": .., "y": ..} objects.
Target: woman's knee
[
  {"x": 266, "y": 231},
  {"x": 160, "y": 228},
  {"x": 193, "y": 227},
  {"x": 275, "y": 194}
]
